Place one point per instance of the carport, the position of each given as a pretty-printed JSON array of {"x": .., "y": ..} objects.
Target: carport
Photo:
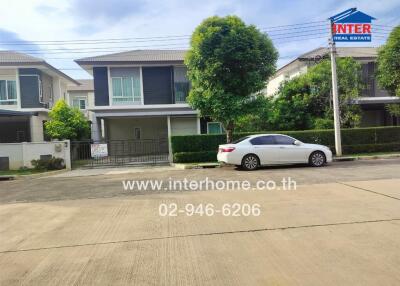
[{"x": 15, "y": 126}]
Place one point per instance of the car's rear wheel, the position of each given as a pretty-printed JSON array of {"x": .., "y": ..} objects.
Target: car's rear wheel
[
  {"x": 317, "y": 159},
  {"x": 250, "y": 162}
]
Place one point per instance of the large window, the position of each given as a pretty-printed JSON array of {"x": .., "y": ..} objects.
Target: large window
[
  {"x": 8, "y": 92},
  {"x": 126, "y": 90},
  {"x": 181, "y": 84}
]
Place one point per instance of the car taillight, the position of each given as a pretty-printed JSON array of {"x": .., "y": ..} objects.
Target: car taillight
[{"x": 227, "y": 149}]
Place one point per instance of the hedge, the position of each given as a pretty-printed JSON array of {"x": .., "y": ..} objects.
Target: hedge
[
  {"x": 203, "y": 148},
  {"x": 211, "y": 156}
]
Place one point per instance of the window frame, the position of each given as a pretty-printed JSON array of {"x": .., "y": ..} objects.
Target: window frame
[
  {"x": 134, "y": 133},
  {"x": 8, "y": 99},
  {"x": 132, "y": 79},
  {"x": 221, "y": 129}
]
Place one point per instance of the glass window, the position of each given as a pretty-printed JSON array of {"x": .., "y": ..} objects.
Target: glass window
[
  {"x": 181, "y": 84},
  {"x": 214, "y": 128},
  {"x": 263, "y": 140},
  {"x": 8, "y": 92},
  {"x": 82, "y": 104},
  {"x": 126, "y": 90},
  {"x": 240, "y": 140},
  {"x": 283, "y": 140}
]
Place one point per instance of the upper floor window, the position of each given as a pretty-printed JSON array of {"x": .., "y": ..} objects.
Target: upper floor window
[
  {"x": 8, "y": 92},
  {"x": 181, "y": 84},
  {"x": 79, "y": 103},
  {"x": 126, "y": 90}
]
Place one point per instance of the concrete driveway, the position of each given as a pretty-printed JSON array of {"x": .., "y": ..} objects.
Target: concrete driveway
[{"x": 334, "y": 232}]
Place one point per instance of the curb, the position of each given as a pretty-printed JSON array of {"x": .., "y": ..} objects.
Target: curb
[
  {"x": 196, "y": 166},
  {"x": 365, "y": 157},
  {"x": 38, "y": 175}
]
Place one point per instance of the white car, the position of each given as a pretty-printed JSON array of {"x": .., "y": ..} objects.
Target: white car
[{"x": 272, "y": 149}]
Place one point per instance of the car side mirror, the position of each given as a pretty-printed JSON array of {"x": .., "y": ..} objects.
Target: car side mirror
[{"x": 297, "y": 143}]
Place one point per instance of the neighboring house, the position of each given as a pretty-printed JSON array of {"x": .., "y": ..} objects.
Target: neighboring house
[
  {"x": 141, "y": 95},
  {"x": 28, "y": 89},
  {"x": 82, "y": 96},
  {"x": 372, "y": 100}
]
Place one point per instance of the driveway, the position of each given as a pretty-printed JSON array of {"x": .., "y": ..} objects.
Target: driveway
[{"x": 335, "y": 229}]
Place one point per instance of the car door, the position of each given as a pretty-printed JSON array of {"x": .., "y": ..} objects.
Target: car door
[
  {"x": 264, "y": 147},
  {"x": 288, "y": 151}
]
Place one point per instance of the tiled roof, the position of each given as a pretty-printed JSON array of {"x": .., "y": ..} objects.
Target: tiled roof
[
  {"x": 12, "y": 57},
  {"x": 139, "y": 56},
  {"x": 86, "y": 85}
]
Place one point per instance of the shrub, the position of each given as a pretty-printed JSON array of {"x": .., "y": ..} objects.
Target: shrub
[
  {"x": 50, "y": 164},
  {"x": 190, "y": 157}
]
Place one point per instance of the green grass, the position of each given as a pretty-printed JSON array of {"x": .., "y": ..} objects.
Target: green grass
[{"x": 20, "y": 172}]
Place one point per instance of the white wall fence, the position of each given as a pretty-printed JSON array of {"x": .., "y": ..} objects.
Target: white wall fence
[{"x": 21, "y": 154}]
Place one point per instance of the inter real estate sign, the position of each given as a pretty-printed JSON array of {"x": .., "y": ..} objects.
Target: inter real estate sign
[{"x": 351, "y": 26}]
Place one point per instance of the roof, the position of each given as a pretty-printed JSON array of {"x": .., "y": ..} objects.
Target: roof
[
  {"x": 85, "y": 85},
  {"x": 6, "y": 112},
  {"x": 318, "y": 53},
  {"x": 352, "y": 16},
  {"x": 137, "y": 56},
  {"x": 13, "y": 58}
]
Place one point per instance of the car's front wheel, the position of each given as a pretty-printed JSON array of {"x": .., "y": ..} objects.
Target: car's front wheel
[
  {"x": 317, "y": 159},
  {"x": 250, "y": 162}
]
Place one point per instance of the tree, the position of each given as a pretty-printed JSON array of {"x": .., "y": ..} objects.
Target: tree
[
  {"x": 305, "y": 102},
  {"x": 67, "y": 123},
  {"x": 228, "y": 63},
  {"x": 388, "y": 72}
]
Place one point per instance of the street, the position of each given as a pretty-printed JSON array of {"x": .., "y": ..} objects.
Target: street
[{"x": 340, "y": 227}]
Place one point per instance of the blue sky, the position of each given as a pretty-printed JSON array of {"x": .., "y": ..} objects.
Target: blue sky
[{"x": 32, "y": 21}]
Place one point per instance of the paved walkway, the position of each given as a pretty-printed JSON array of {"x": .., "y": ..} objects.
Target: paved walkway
[{"x": 324, "y": 234}]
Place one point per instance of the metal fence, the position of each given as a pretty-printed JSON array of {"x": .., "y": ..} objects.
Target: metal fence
[{"x": 119, "y": 152}]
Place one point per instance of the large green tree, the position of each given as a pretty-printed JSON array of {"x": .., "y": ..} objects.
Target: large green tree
[
  {"x": 67, "y": 123},
  {"x": 388, "y": 73},
  {"x": 305, "y": 102},
  {"x": 228, "y": 64}
]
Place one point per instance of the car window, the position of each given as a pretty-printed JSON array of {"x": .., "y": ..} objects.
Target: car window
[
  {"x": 239, "y": 140},
  {"x": 283, "y": 140},
  {"x": 263, "y": 140}
]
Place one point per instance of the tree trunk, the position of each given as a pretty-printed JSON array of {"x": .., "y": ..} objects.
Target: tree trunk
[{"x": 229, "y": 132}]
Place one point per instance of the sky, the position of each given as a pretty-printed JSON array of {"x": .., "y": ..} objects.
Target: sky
[{"x": 39, "y": 27}]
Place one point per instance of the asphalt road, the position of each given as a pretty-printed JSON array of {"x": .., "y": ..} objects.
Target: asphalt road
[{"x": 340, "y": 227}]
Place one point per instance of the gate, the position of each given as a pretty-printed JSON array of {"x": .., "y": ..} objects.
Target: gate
[{"x": 89, "y": 154}]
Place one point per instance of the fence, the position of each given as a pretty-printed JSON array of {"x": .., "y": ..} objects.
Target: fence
[
  {"x": 119, "y": 152},
  {"x": 16, "y": 155}
]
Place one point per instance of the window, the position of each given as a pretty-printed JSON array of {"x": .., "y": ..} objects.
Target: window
[
  {"x": 240, "y": 140},
  {"x": 126, "y": 90},
  {"x": 214, "y": 128},
  {"x": 181, "y": 84},
  {"x": 284, "y": 140},
  {"x": 8, "y": 92},
  {"x": 137, "y": 133},
  {"x": 79, "y": 103},
  {"x": 263, "y": 140}
]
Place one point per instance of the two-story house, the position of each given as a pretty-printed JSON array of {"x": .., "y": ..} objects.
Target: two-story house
[
  {"x": 372, "y": 100},
  {"x": 141, "y": 95},
  {"x": 28, "y": 89}
]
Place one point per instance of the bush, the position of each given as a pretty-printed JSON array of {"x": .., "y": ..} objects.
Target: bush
[
  {"x": 191, "y": 157},
  {"x": 371, "y": 148},
  {"x": 50, "y": 164}
]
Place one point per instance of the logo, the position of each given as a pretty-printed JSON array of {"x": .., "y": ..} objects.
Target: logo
[{"x": 351, "y": 26}]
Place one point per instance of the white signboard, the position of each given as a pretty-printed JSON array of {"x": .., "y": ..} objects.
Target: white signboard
[{"x": 98, "y": 150}]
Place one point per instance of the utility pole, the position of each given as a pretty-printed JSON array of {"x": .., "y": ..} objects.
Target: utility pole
[{"x": 335, "y": 94}]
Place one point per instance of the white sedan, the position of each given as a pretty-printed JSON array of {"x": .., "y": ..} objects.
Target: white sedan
[{"x": 272, "y": 149}]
